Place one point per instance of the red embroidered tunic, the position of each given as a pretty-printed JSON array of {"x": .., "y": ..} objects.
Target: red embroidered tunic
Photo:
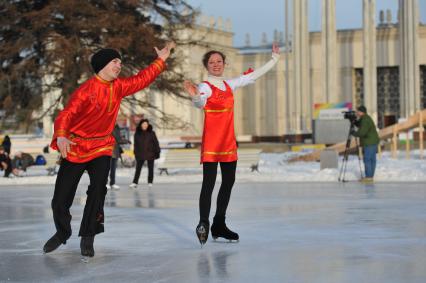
[
  {"x": 219, "y": 143},
  {"x": 89, "y": 117}
]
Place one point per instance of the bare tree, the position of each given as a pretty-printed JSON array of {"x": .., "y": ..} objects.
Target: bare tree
[{"x": 43, "y": 39}]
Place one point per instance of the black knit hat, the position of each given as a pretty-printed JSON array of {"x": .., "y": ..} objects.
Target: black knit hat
[
  {"x": 101, "y": 58},
  {"x": 362, "y": 109}
]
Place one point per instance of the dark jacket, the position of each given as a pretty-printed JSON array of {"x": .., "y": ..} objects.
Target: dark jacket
[
  {"x": 7, "y": 144},
  {"x": 145, "y": 145},
  {"x": 4, "y": 158},
  {"x": 367, "y": 132},
  {"x": 116, "y": 152}
]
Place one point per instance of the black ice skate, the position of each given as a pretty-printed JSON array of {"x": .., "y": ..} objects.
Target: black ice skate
[
  {"x": 52, "y": 244},
  {"x": 219, "y": 229},
  {"x": 202, "y": 231},
  {"x": 86, "y": 246}
]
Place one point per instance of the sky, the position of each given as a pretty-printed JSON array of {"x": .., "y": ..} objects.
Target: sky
[{"x": 256, "y": 17}]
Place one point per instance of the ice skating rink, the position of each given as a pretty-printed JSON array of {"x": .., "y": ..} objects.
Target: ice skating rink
[{"x": 290, "y": 232}]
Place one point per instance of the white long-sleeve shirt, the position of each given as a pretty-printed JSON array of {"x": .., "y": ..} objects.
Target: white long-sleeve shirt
[{"x": 205, "y": 91}]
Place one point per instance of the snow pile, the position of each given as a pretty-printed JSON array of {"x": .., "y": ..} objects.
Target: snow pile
[{"x": 273, "y": 167}]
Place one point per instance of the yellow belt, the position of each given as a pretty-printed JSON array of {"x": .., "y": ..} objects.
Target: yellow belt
[{"x": 72, "y": 136}]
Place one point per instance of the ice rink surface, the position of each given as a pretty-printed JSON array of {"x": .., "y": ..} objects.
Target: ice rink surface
[{"x": 290, "y": 232}]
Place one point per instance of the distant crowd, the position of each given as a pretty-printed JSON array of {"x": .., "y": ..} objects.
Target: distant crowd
[{"x": 18, "y": 163}]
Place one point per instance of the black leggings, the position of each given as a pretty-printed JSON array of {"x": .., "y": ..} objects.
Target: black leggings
[
  {"x": 209, "y": 178},
  {"x": 139, "y": 164}
]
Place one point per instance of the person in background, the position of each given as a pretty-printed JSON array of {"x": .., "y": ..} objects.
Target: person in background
[
  {"x": 5, "y": 162},
  {"x": 146, "y": 148},
  {"x": 369, "y": 140},
  {"x": 7, "y": 144},
  {"x": 116, "y": 154},
  {"x": 46, "y": 149},
  {"x": 21, "y": 161}
]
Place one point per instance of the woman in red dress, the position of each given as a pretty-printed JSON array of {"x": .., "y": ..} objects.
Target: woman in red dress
[{"x": 215, "y": 97}]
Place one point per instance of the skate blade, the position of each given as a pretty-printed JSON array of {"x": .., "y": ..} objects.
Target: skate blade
[
  {"x": 85, "y": 259},
  {"x": 216, "y": 239},
  {"x": 202, "y": 242},
  {"x": 202, "y": 237},
  {"x": 224, "y": 240}
]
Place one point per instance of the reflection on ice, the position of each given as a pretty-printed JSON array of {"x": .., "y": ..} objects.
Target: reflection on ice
[
  {"x": 326, "y": 232},
  {"x": 215, "y": 264}
]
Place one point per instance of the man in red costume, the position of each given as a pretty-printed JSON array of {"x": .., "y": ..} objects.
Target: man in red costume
[{"x": 83, "y": 135}]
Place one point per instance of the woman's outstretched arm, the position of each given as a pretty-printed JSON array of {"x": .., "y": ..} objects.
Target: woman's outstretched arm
[{"x": 251, "y": 77}]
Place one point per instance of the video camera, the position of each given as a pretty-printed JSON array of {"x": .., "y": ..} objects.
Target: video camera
[{"x": 351, "y": 116}]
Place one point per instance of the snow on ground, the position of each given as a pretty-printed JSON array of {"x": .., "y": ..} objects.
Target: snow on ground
[{"x": 273, "y": 167}]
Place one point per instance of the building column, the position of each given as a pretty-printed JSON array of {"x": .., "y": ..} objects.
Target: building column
[
  {"x": 409, "y": 73},
  {"x": 301, "y": 76},
  {"x": 329, "y": 51},
  {"x": 369, "y": 58},
  {"x": 287, "y": 114}
]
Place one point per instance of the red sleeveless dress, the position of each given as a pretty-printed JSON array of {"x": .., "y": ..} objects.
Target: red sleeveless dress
[{"x": 219, "y": 143}]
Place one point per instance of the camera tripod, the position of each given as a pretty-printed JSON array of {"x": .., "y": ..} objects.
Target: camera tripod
[{"x": 346, "y": 155}]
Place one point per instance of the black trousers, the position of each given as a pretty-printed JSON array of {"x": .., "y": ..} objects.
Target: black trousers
[
  {"x": 112, "y": 171},
  {"x": 139, "y": 164},
  {"x": 69, "y": 176},
  {"x": 228, "y": 170},
  {"x": 8, "y": 170}
]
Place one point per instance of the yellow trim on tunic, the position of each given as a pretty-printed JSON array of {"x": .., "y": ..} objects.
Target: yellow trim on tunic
[
  {"x": 110, "y": 98},
  {"x": 102, "y": 80},
  {"x": 61, "y": 132},
  {"x": 93, "y": 152},
  {"x": 110, "y": 91},
  {"x": 218, "y": 110},
  {"x": 219, "y": 153},
  {"x": 160, "y": 66}
]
